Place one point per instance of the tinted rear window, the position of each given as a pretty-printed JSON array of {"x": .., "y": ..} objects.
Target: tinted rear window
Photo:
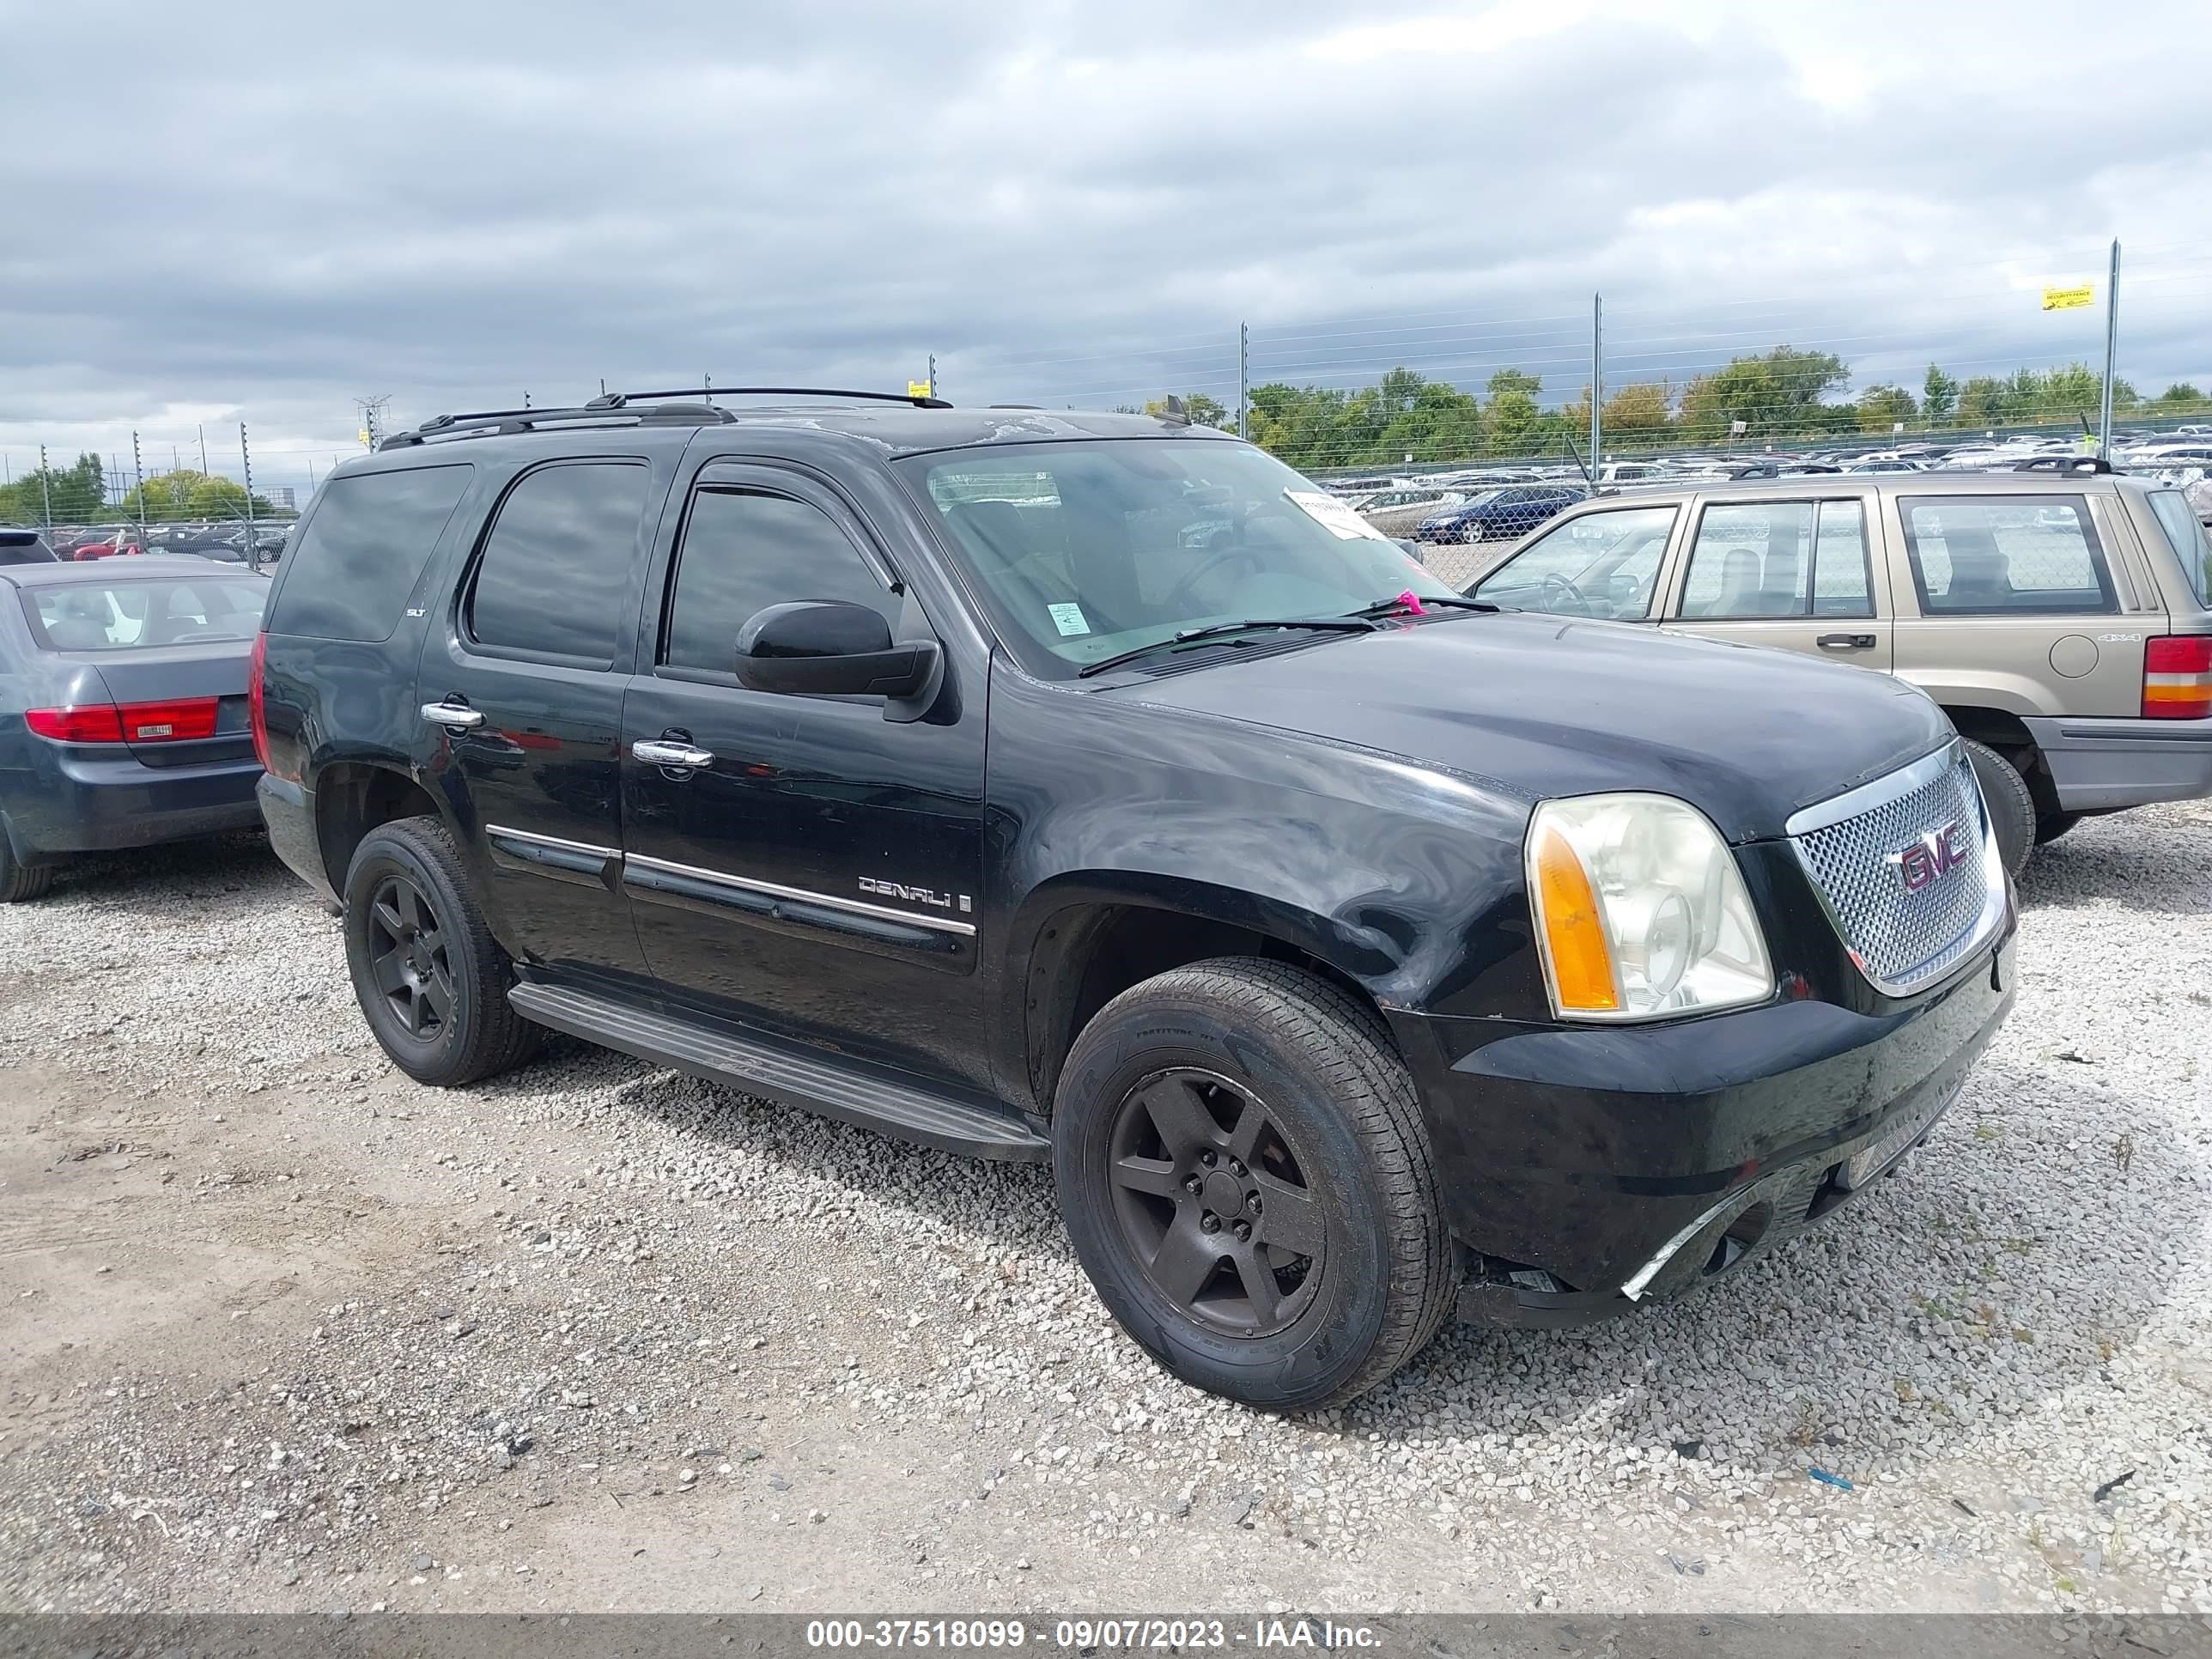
[
  {"x": 556, "y": 576},
  {"x": 140, "y": 616},
  {"x": 349, "y": 575},
  {"x": 24, "y": 547}
]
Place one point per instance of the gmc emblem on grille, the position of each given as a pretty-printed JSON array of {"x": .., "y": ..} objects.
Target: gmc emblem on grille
[{"x": 1925, "y": 860}]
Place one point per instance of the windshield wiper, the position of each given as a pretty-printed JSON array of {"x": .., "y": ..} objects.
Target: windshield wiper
[
  {"x": 1397, "y": 603},
  {"x": 1213, "y": 630}
]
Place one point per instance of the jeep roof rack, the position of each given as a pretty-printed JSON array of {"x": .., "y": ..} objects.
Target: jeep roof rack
[{"x": 613, "y": 407}]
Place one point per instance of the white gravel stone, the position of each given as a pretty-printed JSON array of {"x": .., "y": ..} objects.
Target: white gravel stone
[{"x": 2020, "y": 1315}]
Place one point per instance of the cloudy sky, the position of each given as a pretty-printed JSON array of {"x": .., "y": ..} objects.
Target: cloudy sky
[{"x": 264, "y": 211}]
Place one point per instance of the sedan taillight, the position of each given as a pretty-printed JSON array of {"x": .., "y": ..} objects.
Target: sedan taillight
[{"x": 178, "y": 720}]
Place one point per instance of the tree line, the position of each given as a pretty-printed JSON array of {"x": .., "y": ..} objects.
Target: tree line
[
  {"x": 1784, "y": 393},
  {"x": 77, "y": 493}
]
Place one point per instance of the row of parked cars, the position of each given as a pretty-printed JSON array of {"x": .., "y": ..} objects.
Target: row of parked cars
[
  {"x": 1094, "y": 790},
  {"x": 231, "y": 543},
  {"x": 1500, "y": 504}
]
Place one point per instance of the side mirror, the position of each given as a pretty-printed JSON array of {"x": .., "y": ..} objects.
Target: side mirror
[{"x": 829, "y": 648}]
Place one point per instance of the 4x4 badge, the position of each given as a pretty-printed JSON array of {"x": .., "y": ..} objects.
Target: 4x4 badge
[{"x": 1921, "y": 862}]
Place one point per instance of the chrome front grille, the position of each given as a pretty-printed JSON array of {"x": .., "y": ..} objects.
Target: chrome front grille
[{"x": 1909, "y": 870}]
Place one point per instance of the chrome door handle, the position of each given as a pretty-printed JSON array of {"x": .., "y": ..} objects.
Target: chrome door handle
[
  {"x": 682, "y": 757},
  {"x": 453, "y": 716}
]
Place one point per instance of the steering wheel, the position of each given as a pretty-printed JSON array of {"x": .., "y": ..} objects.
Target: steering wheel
[
  {"x": 1230, "y": 555},
  {"x": 1557, "y": 592}
]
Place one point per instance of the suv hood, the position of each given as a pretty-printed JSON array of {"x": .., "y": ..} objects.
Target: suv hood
[{"x": 1546, "y": 706}]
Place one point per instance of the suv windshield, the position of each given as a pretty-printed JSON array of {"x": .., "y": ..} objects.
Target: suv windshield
[{"x": 1081, "y": 552}]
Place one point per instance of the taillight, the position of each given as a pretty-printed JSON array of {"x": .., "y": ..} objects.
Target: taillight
[
  {"x": 256, "y": 666},
  {"x": 2178, "y": 677},
  {"x": 92, "y": 722},
  {"x": 179, "y": 719}
]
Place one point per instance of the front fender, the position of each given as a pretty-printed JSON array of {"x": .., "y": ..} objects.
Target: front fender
[{"x": 1405, "y": 880}]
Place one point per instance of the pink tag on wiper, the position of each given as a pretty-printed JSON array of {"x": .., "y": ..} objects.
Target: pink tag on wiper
[{"x": 1412, "y": 601}]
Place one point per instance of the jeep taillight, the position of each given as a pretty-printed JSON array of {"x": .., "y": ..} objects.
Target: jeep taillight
[
  {"x": 2178, "y": 677},
  {"x": 257, "y": 666}
]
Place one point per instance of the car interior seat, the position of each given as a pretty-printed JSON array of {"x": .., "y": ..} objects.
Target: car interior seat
[
  {"x": 1779, "y": 593},
  {"x": 1740, "y": 585},
  {"x": 1981, "y": 574}
]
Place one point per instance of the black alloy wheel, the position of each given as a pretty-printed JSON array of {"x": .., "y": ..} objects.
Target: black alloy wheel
[
  {"x": 1213, "y": 1205},
  {"x": 408, "y": 959},
  {"x": 1247, "y": 1178},
  {"x": 430, "y": 978}
]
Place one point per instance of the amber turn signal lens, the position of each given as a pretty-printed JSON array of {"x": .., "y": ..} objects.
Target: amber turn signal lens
[{"x": 1582, "y": 979}]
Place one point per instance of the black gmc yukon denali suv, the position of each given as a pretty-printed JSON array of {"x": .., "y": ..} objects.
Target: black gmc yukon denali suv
[{"x": 1094, "y": 789}]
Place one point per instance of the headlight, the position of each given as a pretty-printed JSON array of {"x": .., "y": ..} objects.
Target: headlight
[{"x": 1640, "y": 911}]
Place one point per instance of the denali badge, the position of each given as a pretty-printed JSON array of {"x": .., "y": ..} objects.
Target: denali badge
[
  {"x": 1928, "y": 858},
  {"x": 899, "y": 889}
]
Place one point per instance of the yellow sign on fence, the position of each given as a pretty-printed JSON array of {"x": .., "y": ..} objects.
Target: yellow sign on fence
[
  {"x": 2069, "y": 299},
  {"x": 918, "y": 389}
]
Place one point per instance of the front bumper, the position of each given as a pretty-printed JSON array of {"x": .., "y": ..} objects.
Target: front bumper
[
  {"x": 1594, "y": 1168},
  {"x": 79, "y": 805},
  {"x": 2097, "y": 765}
]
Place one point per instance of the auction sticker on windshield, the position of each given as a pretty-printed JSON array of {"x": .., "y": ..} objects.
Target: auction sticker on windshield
[
  {"x": 1069, "y": 620},
  {"x": 1334, "y": 516}
]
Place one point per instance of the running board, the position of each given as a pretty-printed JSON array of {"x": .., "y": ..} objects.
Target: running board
[{"x": 867, "y": 1098}]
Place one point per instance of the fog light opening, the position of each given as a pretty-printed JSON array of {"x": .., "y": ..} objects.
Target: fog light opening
[{"x": 1742, "y": 1234}]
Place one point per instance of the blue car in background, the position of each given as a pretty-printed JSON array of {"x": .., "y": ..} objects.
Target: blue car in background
[
  {"x": 123, "y": 718},
  {"x": 1504, "y": 514}
]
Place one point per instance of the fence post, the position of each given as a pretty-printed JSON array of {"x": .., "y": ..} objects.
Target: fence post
[
  {"x": 1597, "y": 384},
  {"x": 2112, "y": 345},
  {"x": 46, "y": 490},
  {"x": 1244, "y": 382},
  {"x": 139, "y": 469},
  {"x": 252, "y": 544}
]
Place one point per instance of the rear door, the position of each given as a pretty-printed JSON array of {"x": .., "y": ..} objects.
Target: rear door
[
  {"x": 1794, "y": 572},
  {"x": 2020, "y": 601},
  {"x": 521, "y": 690}
]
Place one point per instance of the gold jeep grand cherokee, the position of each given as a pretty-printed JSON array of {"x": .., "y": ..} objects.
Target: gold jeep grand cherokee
[{"x": 2061, "y": 618}]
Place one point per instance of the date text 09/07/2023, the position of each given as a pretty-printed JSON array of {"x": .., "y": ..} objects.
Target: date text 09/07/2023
[{"x": 1089, "y": 1635}]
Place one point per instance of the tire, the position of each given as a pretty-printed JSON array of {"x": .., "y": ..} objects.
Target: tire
[
  {"x": 2049, "y": 826},
  {"x": 21, "y": 883},
  {"x": 431, "y": 980},
  {"x": 2012, "y": 808},
  {"x": 1360, "y": 1270},
  {"x": 1470, "y": 535}
]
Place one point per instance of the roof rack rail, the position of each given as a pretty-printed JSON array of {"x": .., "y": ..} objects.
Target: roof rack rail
[
  {"x": 624, "y": 399},
  {"x": 2067, "y": 463},
  {"x": 500, "y": 422}
]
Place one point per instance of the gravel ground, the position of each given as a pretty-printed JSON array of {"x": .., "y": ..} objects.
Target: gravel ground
[{"x": 285, "y": 1331}]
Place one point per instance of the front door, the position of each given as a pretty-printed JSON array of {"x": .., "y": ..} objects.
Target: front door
[
  {"x": 1795, "y": 574},
  {"x": 806, "y": 863},
  {"x": 523, "y": 686}
]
